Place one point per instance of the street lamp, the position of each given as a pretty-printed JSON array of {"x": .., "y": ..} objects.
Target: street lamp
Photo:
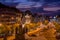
[
  {"x": 2, "y": 15},
  {"x": 0, "y": 24},
  {"x": 12, "y": 18}
]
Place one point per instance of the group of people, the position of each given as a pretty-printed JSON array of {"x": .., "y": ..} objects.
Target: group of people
[
  {"x": 48, "y": 31},
  {"x": 28, "y": 26},
  {"x": 45, "y": 29}
]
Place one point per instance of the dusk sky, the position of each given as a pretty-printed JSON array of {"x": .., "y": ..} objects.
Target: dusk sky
[
  {"x": 29, "y": 3},
  {"x": 33, "y": 3}
]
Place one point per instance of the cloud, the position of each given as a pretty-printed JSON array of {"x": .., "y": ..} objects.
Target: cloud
[
  {"x": 34, "y": 0},
  {"x": 52, "y": 8},
  {"x": 23, "y": 3},
  {"x": 38, "y": 5},
  {"x": 23, "y": 6},
  {"x": 26, "y": 3},
  {"x": 29, "y": 5},
  {"x": 49, "y": 1},
  {"x": 9, "y": 1}
]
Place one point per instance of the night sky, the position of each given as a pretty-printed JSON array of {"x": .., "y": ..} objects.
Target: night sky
[
  {"x": 29, "y": 3},
  {"x": 49, "y": 5}
]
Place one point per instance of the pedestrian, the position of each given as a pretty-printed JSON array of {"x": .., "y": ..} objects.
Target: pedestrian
[{"x": 50, "y": 33}]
